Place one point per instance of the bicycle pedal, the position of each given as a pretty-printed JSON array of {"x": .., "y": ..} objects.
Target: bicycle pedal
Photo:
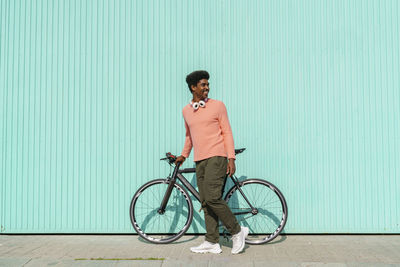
[{"x": 225, "y": 235}]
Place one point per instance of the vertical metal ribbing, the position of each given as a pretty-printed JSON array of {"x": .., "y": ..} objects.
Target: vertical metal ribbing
[{"x": 91, "y": 96}]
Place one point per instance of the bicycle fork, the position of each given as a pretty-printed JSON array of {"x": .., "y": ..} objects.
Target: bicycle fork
[{"x": 171, "y": 185}]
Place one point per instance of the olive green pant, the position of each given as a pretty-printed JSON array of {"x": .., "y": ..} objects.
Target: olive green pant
[{"x": 211, "y": 177}]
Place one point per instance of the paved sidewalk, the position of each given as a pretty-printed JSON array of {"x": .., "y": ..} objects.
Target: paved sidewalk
[{"x": 290, "y": 250}]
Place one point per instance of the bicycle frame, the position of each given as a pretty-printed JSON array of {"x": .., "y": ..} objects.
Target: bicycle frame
[{"x": 177, "y": 174}]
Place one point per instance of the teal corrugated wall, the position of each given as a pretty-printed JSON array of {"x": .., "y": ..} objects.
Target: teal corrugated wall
[{"x": 91, "y": 94}]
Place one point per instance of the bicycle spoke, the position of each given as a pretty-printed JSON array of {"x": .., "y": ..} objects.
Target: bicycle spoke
[
  {"x": 266, "y": 224},
  {"x": 165, "y": 227},
  {"x": 146, "y": 205}
]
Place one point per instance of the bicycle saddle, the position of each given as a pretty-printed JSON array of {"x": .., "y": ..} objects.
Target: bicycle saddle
[{"x": 239, "y": 150}]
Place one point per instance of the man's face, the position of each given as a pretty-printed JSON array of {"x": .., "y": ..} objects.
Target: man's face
[{"x": 201, "y": 89}]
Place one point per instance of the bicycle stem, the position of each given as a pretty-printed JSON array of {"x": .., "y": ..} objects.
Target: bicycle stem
[{"x": 164, "y": 202}]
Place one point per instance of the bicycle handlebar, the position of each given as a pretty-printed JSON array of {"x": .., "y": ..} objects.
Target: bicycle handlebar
[{"x": 170, "y": 158}]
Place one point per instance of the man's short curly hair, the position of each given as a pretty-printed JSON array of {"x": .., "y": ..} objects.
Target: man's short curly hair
[{"x": 194, "y": 77}]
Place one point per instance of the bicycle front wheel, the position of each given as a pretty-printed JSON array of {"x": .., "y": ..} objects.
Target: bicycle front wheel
[
  {"x": 168, "y": 226},
  {"x": 271, "y": 216}
]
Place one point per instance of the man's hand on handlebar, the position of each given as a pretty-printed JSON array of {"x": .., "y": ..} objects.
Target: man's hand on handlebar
[{"x": 180, "y": 160}]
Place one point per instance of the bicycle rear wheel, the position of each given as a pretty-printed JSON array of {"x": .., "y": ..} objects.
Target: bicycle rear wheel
[
  {"x": 271, "y": 217},
  {"x": 153, "y": 226}
]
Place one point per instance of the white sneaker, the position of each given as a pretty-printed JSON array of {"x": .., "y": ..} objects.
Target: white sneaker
[
  {"x": 239, "y": 240},
  {"x": 207, "y": 247}
]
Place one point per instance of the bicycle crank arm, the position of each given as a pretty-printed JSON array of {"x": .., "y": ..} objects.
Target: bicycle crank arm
[
  {"x": 243, "y": 212},
  {"x": 253, "y": 211}
]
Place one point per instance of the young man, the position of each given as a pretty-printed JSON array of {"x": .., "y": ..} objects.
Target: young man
[{"x": 208, "y": 131}]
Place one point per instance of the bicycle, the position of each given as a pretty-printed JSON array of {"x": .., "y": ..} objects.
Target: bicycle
[{"x": 161, "y": 210}]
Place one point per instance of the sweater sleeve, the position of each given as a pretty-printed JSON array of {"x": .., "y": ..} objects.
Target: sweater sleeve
[
  {"x": 188, "y": 143},
  {"x": 226, "y": 131}
]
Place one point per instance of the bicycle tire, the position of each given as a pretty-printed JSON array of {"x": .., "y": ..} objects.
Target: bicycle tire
[
  {"x": 161, "y": 228},
  {"x": 271, "y": 217}
]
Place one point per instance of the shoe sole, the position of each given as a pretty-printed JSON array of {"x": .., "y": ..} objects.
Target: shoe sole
[
  {"x": 206, "y": 251},
  {"x": 245, "y": 235}
]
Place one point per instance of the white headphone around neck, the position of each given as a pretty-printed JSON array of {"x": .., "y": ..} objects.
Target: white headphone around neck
[{"x": 196, "y": 105}]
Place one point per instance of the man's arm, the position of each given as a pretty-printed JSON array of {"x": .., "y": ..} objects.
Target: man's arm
[
  {"x": 226, "y": 132},
  {"x": 188, "y": 142},
  {"x": 228, "y": 139},
  {"x": 186, "y": 148}
]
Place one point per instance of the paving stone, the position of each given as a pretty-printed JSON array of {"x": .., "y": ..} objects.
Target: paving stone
[
  {"x": 10, "y": 262},
  {"x": 290, "y": 250}
]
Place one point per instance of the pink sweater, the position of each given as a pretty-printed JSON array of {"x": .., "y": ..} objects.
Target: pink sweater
[{"x": 208, "y": 131}]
